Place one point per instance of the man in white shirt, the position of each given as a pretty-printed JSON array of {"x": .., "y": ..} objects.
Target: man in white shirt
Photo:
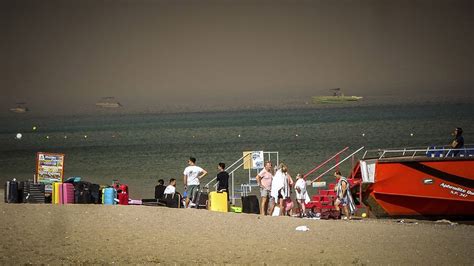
[{"x": 191, "y": 176}]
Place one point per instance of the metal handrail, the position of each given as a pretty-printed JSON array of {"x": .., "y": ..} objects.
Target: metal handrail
[
  {"x": 336, "y": 165},
  {"x": 324, "y": 163}
]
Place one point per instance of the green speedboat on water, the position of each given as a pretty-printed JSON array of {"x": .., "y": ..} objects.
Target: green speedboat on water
[{"x": 337, "y": 97}]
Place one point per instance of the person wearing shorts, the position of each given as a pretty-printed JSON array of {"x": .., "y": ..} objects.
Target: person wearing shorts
[
  {"x": 191, "y": 176},
  {"x": 264, "y": 180},
  {"x": 342, "y": 195}
]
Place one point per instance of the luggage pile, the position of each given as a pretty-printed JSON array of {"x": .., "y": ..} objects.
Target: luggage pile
[
  {"x": 24, "y": 192},
  {"x": 72, "y": 191}
]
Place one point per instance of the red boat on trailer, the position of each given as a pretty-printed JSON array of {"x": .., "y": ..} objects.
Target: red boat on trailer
[{"x": 422, "y": 183}]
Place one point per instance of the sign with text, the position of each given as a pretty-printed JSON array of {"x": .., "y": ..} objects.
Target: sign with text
[{"x": 49, "y": 167}]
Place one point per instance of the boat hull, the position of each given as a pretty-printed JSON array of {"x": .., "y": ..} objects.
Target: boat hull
[{"x": 422, "y": 187}]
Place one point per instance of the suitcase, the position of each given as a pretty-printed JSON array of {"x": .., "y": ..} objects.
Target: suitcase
[
  {"x": 109, "y": 196},
  {"x": 201, "y": 200},
  {"x": 33, "y": 193},
  {"x": 250, "y": 204},
  {"x": 21, "y": 189},
  {"x": 123, "y": 198},
  {"x": 57, "y": 195},
  {"x": 95, "y": 194},
  {"x": 218, "y": 201},
  {"x": 68, "y": 193},
  {"x": 11, "y": 192}
]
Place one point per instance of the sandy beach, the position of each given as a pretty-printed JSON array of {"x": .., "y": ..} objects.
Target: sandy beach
[{"x": 52, "y": 234}]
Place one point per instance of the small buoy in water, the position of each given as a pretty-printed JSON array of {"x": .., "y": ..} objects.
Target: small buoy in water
[
  {"x": 411, "y": 134},
  {"x": 18, "y": 136},
  {"x": 238, "y": 136},
  {"x": 296, "y": 135},
  {"x": 65, "y": 137},
  {"x": 364, "y": 215},
  {"x": 85, "y": 136},
  {"x": 34, "y": 128},
  {"x": 363, "y": 134},
  {"x": 47, "y": 137}
]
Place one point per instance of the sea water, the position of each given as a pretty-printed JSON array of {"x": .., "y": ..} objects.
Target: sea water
[{"x": 139, "y": 149}]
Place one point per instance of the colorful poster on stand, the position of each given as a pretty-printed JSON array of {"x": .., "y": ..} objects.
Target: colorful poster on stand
[
  {"x": 257, "y": 160},
  {"x": 49, "y": 167}
]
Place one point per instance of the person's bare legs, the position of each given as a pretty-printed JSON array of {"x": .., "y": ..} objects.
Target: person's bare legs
[
  {"x": 302, "y": 207},
  {"x": 263, "y": 204},
  {"x": 336, "y": 205},
  {"x": 272, "y": 206},
  {"x": 282, "y": 207},
  {"x": 346, "y": 212}
]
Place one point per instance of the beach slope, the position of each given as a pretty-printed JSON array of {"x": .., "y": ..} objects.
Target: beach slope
[{"x": 52, "y": 234}]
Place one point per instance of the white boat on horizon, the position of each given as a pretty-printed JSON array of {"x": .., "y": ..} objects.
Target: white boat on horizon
[
  {"x": 19, "y": 109},
  {"x": 108, "y": 102},
  {"x": 337, "y": 97}
]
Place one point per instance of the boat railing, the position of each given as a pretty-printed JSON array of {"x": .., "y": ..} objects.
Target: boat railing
[{"x": 432, "y": 151}]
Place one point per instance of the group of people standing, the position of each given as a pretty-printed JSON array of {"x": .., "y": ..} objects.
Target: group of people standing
[
  {"x": 276, "y": 186},
  {"x": 275, "y": 190}
]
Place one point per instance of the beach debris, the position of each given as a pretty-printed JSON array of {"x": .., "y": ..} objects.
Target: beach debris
[
  {"x": 18, "y": 136},
  {"x": 444, "y": 221},
  {"x": 407, "y": 222},
  {"x": 302, "y": 228},
  {"x": 364, "y": 215}
]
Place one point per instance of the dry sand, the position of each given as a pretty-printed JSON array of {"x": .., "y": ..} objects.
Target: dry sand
[{"x": 52, "y": 234}]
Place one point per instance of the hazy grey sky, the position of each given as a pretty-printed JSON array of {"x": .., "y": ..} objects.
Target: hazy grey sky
[{"x": 69, "y": 53}]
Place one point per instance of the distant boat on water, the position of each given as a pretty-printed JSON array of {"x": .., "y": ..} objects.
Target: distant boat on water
[
  {"x": 108, "y": 102},
  {"x": 337, "y": 97},
  {"x": 19, "y": 109}
]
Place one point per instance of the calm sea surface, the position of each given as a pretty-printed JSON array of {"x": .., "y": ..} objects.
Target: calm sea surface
[{"x": 138, "y": 149}]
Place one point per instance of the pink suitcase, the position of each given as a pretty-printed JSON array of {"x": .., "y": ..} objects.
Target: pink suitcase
[{"x": 67, "y": 193}]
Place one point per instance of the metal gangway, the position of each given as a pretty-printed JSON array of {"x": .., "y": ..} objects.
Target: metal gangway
[{"x": 251, "y": 173}]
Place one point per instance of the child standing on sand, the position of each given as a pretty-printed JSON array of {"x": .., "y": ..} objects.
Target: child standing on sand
[{"x": 301, "y": 194}]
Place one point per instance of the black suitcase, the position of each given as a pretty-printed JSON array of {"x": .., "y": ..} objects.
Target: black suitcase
[
  {"x": 21, "y": 189},
  {"x": 250, "y": 204},
  {"x": 33, "y": 193},
  {"x": 95, "y": 194},
  {"x": 11, "y": 192},
  {"x": 201, "y": 200}
]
